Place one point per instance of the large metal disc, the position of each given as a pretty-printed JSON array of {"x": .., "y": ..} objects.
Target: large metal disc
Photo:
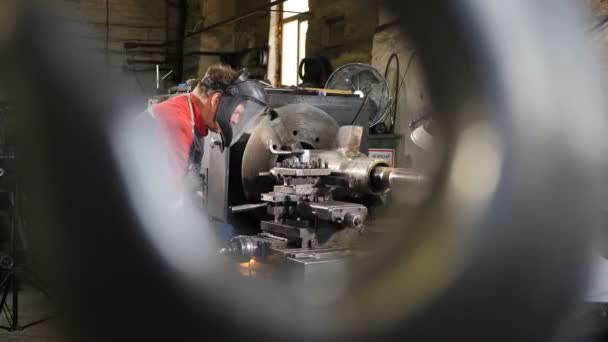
[{"x": 303, "y": 126}]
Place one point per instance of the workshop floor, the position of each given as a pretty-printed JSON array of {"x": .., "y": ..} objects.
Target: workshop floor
[{"x": 34, "y": 306}]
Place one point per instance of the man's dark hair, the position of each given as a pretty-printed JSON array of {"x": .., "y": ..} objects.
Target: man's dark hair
[{"x": 217, "y": 78}]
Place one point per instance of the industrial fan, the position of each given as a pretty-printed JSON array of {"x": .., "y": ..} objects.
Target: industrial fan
[{"x": 368, "y": 83}]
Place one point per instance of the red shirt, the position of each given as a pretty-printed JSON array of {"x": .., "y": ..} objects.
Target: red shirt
[{"x": 174, "y": 117}]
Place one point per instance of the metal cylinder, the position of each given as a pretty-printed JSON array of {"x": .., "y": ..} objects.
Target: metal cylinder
[
  {"x": 384, "y": 178},
  {"x": 354, "y": 220},
  {"x": 242, "y": 248},
  {"x": 358, "y": 173}
]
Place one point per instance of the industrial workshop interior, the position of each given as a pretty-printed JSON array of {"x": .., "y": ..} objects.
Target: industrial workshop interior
[{"x": 303, "y": 170}]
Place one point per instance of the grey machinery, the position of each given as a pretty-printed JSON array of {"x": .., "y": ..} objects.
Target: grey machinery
[{"x": 298, "y": 185}]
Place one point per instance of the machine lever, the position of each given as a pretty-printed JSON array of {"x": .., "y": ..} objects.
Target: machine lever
[
  {"x": 247, "y": 207},
  {"x": 274, "y": 150}
]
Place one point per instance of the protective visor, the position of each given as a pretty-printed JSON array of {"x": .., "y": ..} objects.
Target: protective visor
[{"x": 238, "y": 109}]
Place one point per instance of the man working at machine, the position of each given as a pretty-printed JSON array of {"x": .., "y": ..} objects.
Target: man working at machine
[
  {"x": 223, "y": 102},
  {"x": 186, "y": 119}
]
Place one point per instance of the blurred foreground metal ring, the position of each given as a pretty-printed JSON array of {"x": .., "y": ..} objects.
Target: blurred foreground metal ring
[{"x": 512, "y": 209}]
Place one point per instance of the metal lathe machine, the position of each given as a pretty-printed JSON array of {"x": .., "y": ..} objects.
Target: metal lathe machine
[{"x": 298, "y": 186}]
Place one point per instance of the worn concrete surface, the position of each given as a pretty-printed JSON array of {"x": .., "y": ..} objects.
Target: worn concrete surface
[{"x": 34, "y": 306}]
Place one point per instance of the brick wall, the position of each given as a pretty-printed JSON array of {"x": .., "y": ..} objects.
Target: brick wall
[
  {"x": 194, "y": 20},
  {"x": 252, "y": 32},
  {"x": 150, "y": 21},
  {"x": 233, "y": 37},
  {"x": 220, "y": 39},
  {"x": 105, "y": 26},
  {"x": 354, "y": 41}
]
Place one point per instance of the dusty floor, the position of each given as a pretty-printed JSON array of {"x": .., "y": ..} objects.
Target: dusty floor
[{"x": 34, "y": 308}]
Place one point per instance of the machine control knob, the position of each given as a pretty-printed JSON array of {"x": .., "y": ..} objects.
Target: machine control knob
[
  {"x": 242, "y": 248},
  {"x": 354, "y": 220}
]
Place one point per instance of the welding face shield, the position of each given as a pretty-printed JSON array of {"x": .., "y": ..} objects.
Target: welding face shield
[{"x": 243, "y": 100}]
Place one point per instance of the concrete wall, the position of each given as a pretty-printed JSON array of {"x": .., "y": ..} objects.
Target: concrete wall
[
  {"x": 413, "y": 98},
  {"x": 600, "y": 36},
  {"x": 598, "y": 7},
  {"x": 342, "y": 30}
]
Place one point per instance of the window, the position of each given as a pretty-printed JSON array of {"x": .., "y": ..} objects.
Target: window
[{"x": 295, "y": 27}]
